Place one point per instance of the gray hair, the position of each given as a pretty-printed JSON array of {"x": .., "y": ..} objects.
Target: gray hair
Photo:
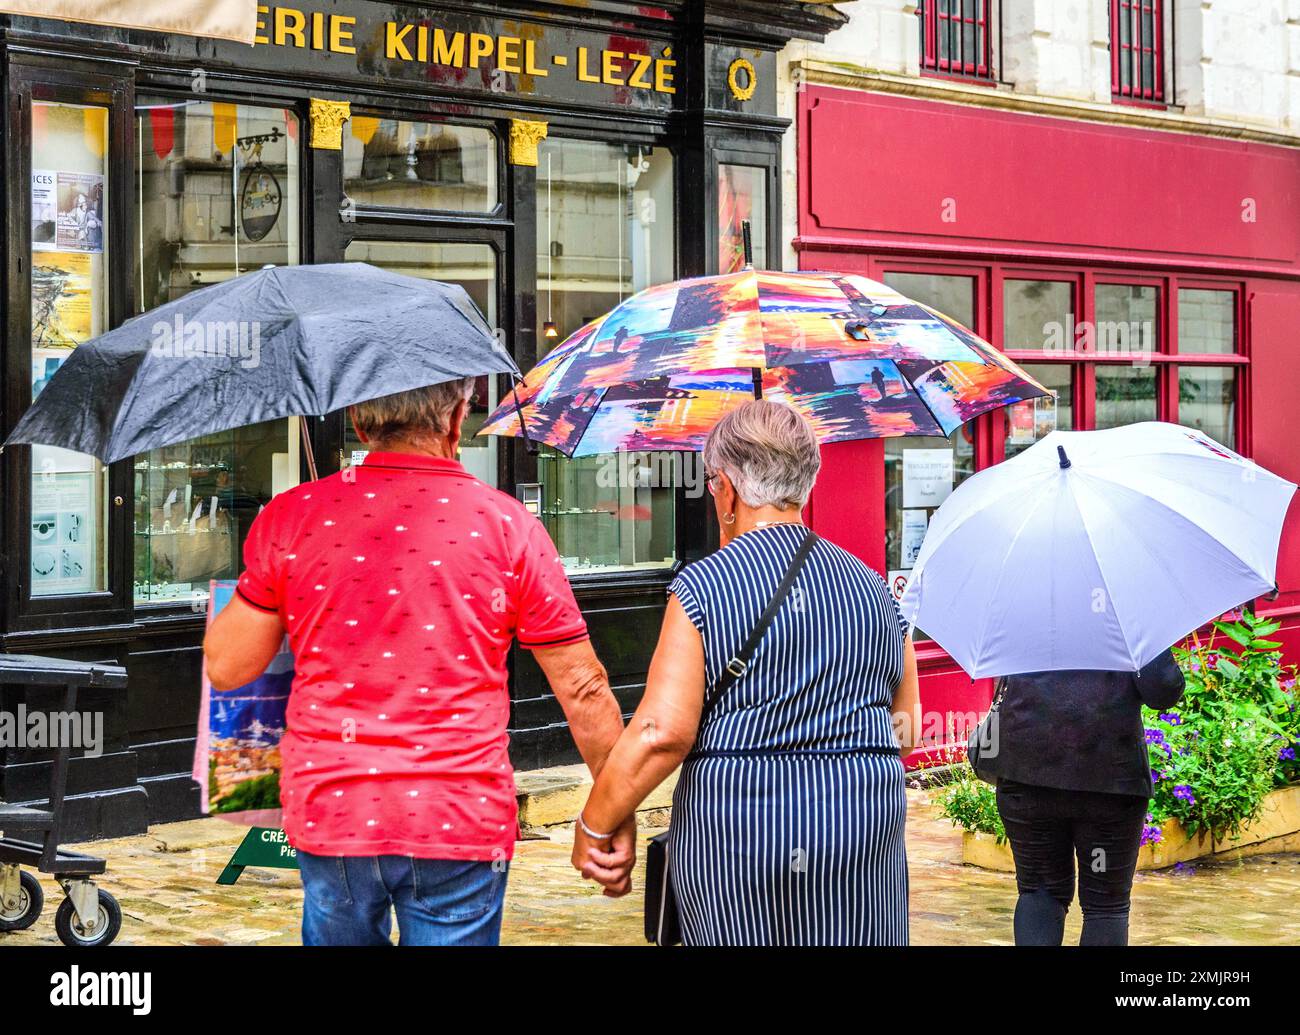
[
  {"x": 769, "y": 452},
  {"x": 413, "y": 414}
]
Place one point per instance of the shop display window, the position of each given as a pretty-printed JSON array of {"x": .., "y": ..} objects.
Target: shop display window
[
  {"x": 473, "y": 267},
  {"x": 742, "y": 197},
  {"x": 428, "y": 166},
  {"x": 604, "y": 232},
  {"x": 218, "y": 194},
  {"x": 69, "y": 298}
]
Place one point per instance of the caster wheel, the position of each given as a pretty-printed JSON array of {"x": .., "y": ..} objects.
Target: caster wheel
[
  {"x": 31, "y": 900},
  {"x": 71, "y": 932}
]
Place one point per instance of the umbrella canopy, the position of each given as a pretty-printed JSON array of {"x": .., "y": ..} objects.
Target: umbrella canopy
[
  {"x": 280, "y": 342},
  {"x": 858, "y": 359},
  {"x": 1095, "y": 550}
]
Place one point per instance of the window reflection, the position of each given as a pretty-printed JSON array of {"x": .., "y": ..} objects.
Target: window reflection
[
  {"x": 217, "y": 195},
  {"x": 389, "y": 163},
  {"x": 604, "y": 232},
  {"x": 473, "y": 267},
  {"x": 1125, "y": 395}
]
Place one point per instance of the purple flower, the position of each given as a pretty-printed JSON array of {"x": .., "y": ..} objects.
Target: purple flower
[
  {"x": 1155, "y": 735},
  {"x": 1196, "y": 665},
  {"x": 1156, "y": 776},
  {"x": 1211, "y": 661},
  {"x": 1286, "y": 755},
  {"x": 1173, "y": 718},
  {"x": 1288, "y": 684},
  {"x": 1151, "y": 834},
  {"x": 1184, "y": 793}
]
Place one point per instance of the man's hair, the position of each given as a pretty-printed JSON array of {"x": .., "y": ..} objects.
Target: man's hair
[{"x": 418, "y": 412}]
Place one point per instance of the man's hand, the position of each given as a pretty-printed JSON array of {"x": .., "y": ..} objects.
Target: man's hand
[{"x": 609, "y": 862}]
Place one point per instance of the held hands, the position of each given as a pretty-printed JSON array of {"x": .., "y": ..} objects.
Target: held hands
[{"x": 609, "y": 861}]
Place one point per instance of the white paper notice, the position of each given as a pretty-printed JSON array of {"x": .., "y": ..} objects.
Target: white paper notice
[
  {"x": 927, "y": 477},
  {"x": 915, "y": 523}
]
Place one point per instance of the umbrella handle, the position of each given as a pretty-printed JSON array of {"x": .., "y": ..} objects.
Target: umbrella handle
[
  {"x": 307, "y": 449},
  {"x": 529, "y": 444}
]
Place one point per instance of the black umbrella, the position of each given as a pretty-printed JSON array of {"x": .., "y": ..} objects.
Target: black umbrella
[{"x": 283, "y": 341}]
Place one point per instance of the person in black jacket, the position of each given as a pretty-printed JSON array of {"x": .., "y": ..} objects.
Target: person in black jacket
[{"x": 1073, "y": 780}]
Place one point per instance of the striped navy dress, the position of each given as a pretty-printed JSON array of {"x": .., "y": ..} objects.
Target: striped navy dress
[{"x": 787, "y": 824}]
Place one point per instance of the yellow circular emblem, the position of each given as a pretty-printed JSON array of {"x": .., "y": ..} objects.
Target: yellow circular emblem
[{"x": 745, "y": 92}]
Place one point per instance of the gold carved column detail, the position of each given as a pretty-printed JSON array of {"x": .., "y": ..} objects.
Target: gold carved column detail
[
  {"x": 524, "y": 138},
  {"x": 327, "y": 118}
]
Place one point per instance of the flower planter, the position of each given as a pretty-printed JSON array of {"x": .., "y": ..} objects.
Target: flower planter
[{"x": 1276, "y": 829}]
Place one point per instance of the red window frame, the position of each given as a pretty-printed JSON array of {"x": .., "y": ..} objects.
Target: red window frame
[
  {"x": 989, "y": 431},
  {"x": 1128, "y": 56},
  {"x": 950, "y": 18}
]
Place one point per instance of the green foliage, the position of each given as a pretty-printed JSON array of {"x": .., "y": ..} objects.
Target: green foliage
[
  {"x": 1231, "y": 739},
  {"x": 969, "y": 802},
  {"x": 262, "y": 792}
]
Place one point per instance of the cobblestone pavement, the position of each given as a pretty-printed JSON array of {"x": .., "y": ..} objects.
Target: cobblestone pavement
[{"x": 165, "y": 881}]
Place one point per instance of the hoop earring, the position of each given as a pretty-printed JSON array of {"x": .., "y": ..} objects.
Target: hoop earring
[{"x": 729, "y": 519}]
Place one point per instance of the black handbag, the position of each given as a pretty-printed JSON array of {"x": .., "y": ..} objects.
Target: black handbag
[
  {"x": 985, "y": 764},
  {"x": 661, "y": 922}
]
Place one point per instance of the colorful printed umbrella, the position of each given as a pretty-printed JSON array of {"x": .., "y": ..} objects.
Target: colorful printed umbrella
[{"x": 855, "y": 357}]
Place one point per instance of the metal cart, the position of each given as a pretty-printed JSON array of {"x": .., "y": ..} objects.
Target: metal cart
[{"x": 88, "y": 916}]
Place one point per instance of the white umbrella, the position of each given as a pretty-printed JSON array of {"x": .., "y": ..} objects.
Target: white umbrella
[{"x": 1096, "y": 550}]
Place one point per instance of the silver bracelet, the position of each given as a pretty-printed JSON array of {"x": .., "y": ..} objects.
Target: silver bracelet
[{"x": 594, "y": 835}]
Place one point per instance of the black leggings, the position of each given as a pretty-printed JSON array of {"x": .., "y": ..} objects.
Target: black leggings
[{"x": 1048, "y": 829}]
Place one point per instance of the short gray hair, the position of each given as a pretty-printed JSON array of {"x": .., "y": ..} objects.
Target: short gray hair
[
  {"x": 769, "y": 452},
  {"x": 418, "y": 412}
]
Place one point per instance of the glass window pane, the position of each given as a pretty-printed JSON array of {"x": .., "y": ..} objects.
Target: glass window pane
[
  {"x": 69, "y": 289},
  {"x": 920, "y": 473},
  {"x": 954, "y": 296},
  {"x": 1207, "y": 321},
  {"x": 1032, "y": 419},
  {"x": 1125, "y": 395},
  {"x": 473, "y": 267},
  {"x": 742, "y": 196},
  {"x": 1207, "y": 399},
  {"x": 1037, "y": 314},
  {"x": 433, "y": 166},
  {"x": 1125, "y": 318},
  {"x": 604, "y": 231},
  {"x": 218, "y": 194}
]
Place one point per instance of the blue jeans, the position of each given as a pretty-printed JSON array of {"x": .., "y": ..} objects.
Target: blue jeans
[{"x": 349, "y": 900}]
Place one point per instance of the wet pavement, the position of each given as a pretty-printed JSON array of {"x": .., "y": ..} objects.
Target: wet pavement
[{"x": 165, "y": 881}]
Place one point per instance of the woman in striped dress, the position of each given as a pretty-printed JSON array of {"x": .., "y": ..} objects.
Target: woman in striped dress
[{"x": 787, "y": 823}]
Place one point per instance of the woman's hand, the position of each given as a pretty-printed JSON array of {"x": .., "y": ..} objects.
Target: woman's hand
[{"x": 609, "y": 861}]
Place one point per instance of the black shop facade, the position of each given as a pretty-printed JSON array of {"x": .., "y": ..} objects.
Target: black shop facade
[{"x": 551, "y": 158}]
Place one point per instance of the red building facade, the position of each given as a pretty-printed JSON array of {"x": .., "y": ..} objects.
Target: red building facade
[{"x": 1142, "y": 274}]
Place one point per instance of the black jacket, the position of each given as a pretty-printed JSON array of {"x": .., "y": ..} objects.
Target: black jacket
[{"x": 1080, "y": 730}]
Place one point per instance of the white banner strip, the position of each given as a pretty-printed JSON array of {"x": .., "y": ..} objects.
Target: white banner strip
[{"x": 220, "y": 19}]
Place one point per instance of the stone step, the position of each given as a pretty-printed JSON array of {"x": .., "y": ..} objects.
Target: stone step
[{"x": 550, "y": 797}]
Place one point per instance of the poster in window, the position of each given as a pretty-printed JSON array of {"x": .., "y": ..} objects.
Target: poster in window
[
  {"x": 927, "y": 477},
  {"x": 45, "y": 209},
  {"x": 1021, "y": 421},
  {"x": 63, "y": 302},
  {"x": 80, "y": 219},
  {"x": 915, "y": 523},
  {"x": 63, "y": 532}
]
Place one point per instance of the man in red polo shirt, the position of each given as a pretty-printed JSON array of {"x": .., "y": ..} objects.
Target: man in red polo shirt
[{"x": 401, "y": 584}]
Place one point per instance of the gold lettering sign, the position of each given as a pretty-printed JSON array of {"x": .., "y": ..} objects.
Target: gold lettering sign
[{"x": 519, "y": 52}]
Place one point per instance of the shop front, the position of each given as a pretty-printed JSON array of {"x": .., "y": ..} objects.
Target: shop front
[
  {"x": 551, "y": 158},
  {"x": 1142, "y": 275}
]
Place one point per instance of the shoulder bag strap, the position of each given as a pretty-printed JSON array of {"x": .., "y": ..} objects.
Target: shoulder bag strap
[{"x": 738, "y": 665}]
